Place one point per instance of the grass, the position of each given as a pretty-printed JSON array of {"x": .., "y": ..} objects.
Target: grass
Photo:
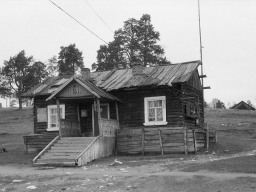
[
  {"x": 14, "y": 121},
  {"x": 235, "y": 131}
]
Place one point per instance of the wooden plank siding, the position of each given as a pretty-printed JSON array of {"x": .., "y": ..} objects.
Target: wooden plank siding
[
  {"x": 147, "y": 141},
  {"x": 131, "y": 112}
]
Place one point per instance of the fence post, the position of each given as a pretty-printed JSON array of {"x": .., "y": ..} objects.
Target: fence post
[
  {"x": 207, "y": 136},
  {"x": 142, "y": 140},
  {"x": 194, "y": 136},
  {"x": 160, "y": 140},
  {"x": 185, "y": 140}
]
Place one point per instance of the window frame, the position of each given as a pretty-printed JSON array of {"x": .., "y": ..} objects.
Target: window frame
[
  {"x": 146, "y": 108},
  {"x": 49, "y": 107},
  {"x": 108, "y": 110}
]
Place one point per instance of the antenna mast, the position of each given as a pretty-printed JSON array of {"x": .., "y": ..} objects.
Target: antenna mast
[{"x": 200, "y": 37}]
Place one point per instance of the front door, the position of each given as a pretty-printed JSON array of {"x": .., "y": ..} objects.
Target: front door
[{"x": 86, "y": 119}]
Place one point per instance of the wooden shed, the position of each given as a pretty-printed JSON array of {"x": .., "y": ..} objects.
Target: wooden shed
[
  {"x": 130, "y": 111},
  {"x": 242, "y": 106}
]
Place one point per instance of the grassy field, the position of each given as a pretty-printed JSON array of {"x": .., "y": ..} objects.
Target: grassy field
[{"x": 230, "y": 165}]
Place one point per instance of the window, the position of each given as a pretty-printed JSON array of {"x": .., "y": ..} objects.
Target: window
[
  {"x": 155, "y": 110},
  {"x": 104, "y": 111},
  {"x": 52, "y": 117}
]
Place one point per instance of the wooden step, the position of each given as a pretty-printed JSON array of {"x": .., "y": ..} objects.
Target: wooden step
[
  {"x": 70, "y": 145},
  {"x": 56, "y": 162},
  {"x": 63, "y": 157},
  {"x": 62, "y": 152},
  {"x": 65, "y": 150},
  {"x": 81, "y": 148}
]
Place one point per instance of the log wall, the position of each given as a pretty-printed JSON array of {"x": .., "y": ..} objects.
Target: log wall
[
  {"x": 40, "y": 102},
  {"x": 131, "y": 110},
  {"x": 37, "y": 142}
]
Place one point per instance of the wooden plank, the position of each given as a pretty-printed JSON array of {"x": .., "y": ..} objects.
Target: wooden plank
[
  {"x": 185, "y": 141},
  {"x": 142, "y": 141},
  {"x": 58, "y": 116},
  {"x": 195, "y": 143}
]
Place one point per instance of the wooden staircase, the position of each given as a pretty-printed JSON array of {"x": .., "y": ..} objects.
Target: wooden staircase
[{"x": 67, "y": 151}]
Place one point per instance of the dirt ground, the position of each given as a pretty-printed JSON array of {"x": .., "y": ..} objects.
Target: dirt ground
[{"x": 228, "y": 166}]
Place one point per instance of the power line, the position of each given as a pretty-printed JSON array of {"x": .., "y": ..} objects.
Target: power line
[
  {"x": 78, "y": 22},
  {"x": 99, "y": 16}
]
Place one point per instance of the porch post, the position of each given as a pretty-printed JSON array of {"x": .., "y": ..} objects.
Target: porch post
[
  {"x": 117, "y": 114},
  {"x": 93, "y": 123},
  {"x": 58, "y": 116},
  {"x": 78, "y": 117},
  {"x": 99, "y": 117}
]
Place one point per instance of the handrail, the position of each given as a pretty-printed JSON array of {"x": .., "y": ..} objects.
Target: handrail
[
  {"x": 46, "y": 148},
  {"x": 87, "y": 148}
]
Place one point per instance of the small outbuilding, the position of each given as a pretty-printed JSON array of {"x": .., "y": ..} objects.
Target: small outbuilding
[{"x": 242, "y": 106}]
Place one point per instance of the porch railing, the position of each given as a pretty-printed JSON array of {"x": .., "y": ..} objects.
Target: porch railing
[
  {"x": 108, "y": 127},
  {"x": 70, "y": 128}
]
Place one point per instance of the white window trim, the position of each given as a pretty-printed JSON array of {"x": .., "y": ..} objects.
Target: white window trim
[
  {"x": 48, "y": 115},
  {"x": 149, "y": 123},
  {"x": 106, "y": 104}
]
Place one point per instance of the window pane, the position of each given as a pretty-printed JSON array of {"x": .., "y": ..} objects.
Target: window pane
[
  {"x": 159, "y": 114},
  {"x": 150, "y": 104},
  {"x": 158, "y": 103},
  {"x": 151, "y": 115}
]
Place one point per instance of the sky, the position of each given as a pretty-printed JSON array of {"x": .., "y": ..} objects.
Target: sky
[{"x": 228, "y": 35}]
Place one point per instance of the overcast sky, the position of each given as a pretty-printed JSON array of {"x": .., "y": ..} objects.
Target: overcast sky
[{"x": 228, "y": 35}]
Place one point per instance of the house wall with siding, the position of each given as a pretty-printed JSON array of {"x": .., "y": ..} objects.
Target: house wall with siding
[{"x": 131, "y": 110}]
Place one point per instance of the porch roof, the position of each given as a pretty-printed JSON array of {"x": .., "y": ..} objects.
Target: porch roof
[{"x": 89, "y": 86}]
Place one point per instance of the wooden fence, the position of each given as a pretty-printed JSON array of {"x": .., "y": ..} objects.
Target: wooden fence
[
  {"x": 159, "y": 140},
  {"x": 108, "y": 127}
]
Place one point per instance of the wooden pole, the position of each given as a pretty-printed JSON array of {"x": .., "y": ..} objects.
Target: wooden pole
[
  {"x": 142, "y": 140},
  {"x": 161, "y": 143},
  {"x": 58, "y": 116},
  {"x": 185, "y": 140},
  {"x": 99, "y": 117},
  {"x": 117, "y": 114},
  {"x": 79, "y": 118},
  {"x": 93, "y": 123},
  {"x": 116, "y": 143},
  {"x": 207, "y": 137},
  {"x": 194, "y": 136}
]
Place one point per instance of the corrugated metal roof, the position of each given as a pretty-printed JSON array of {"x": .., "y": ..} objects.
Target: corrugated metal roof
[
  {"x": 123, "y": 78},
  {"x": 159, "y": 75}
]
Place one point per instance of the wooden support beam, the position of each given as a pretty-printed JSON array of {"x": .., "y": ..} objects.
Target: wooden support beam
[
  {"x": 58, "y": 116},
  {"x": 161, "y": 143},
  {"x": 208, "y": 87},
  {"x": 185, "y": 140},
  {"x": 116, "y": 149},
  {"x": 194, "y": 137},
  {"x": 202, "y": 76},
  {"x": 99, "y": 116},
  {"x": 142, "y": 141},
  {"x": 93, "y": 123},
  {"x": 117, "y": 113},
  {"x": 207, "y": 136}
]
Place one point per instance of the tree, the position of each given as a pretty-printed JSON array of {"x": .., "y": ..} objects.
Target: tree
[
  {"x": 22, "y": 73},
  {"x": 52, "y": 66},
  {"x": 249, "y": 103},
  {"x": 220, "y": 105},
  {"x": 136, "y": 41},
  {"x": 70, "y": 59}
]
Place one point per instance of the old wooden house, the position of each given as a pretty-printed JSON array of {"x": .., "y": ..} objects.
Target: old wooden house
[{"x": 78, "y": 118}]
